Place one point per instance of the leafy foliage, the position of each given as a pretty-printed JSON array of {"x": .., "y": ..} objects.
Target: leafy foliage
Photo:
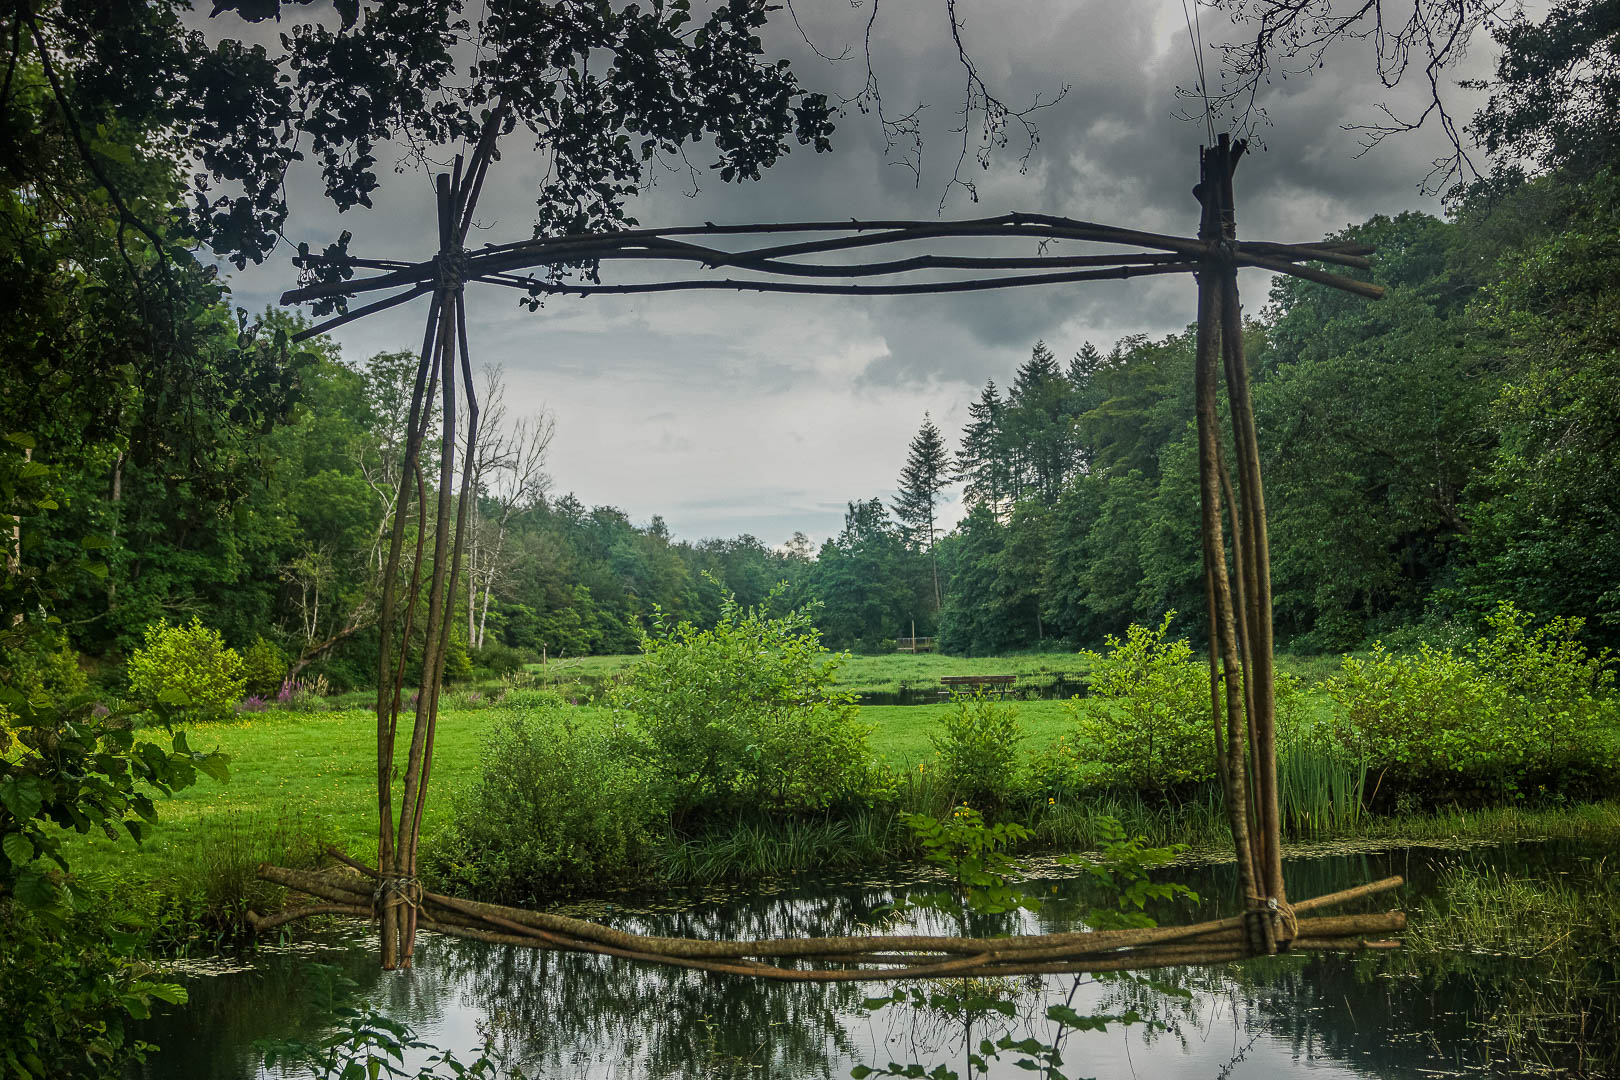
[
  {"x": 554, "y": 803},
  {"x": 68, "y": 985},
  {"x": 186, "y": 665},
  {"x": 1147, "y": 715},
  {"x": 977, "y": 743},
  {"x": 744, "y": 716},
  {"x": 1524, "y": 709}
]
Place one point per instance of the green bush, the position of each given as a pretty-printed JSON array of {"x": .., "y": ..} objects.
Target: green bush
[
  {"x": 1525, "y": 710},
  {"x": 68, "y": 988},
  {"x": 45, "y": 664},
  {"x": 556, "y": 806},
  {"x": 186, "y": 665},
  {"x": 1147, "y": 717},
  {"x": 495, "y": 661},
  {"x": 977, "y": 743},
  {"x": 744, "y": 717},
  {"x": 264, "y": 668}
]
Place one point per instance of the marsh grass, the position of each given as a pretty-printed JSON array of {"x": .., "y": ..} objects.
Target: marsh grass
[
  {"x": 1321, "y": 792},
  {"x": 1563, "y": 931},
  {"x": 764, "y": 849},
  {"x": 1077, "y": 823}
]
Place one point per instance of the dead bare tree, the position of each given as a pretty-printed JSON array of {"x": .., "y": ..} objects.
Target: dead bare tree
[
  {"x": 508, "y": 476},
  {"x": 1279, "y": 39}
]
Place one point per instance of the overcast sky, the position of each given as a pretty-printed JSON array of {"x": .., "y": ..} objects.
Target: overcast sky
[{"x": 734, "y": 414}]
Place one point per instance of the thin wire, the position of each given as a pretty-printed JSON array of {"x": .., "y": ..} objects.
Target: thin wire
[{"x": 1195, "y": 38}]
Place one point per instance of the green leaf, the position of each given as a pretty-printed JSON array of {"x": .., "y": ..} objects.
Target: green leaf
[
  {"x": 173, "y": 993},
  {"x": 216, "y": 765},
  {"x": 33, "y": 889},
  {"x": 23, "y": 797},
  {"x": 21, "y": 439},
  {"x": 18, "y": 848}
]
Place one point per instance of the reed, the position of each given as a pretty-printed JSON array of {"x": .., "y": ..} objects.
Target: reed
[{"x": 1322, "y": 791}]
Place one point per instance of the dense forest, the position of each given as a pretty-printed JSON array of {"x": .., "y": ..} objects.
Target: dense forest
[{"x": 1426, "y": 456}]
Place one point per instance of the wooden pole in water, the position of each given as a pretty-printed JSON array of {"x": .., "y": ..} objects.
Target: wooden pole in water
[{"x": 1242, "y": 672}]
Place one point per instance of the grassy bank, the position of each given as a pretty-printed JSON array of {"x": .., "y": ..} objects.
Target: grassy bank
[{"x": 303, "y": 780}]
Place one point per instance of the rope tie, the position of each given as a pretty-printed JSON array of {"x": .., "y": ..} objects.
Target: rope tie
[
  {"x": 1287, "y": 922},
  {"x": 395, "y": 890},
  {"x": 451, "y": 268}
]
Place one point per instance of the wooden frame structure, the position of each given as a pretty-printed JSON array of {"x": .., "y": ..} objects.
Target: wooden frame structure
[{"x": 753, "y": 258}]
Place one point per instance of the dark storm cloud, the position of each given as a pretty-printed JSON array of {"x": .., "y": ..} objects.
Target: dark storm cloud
[{"x": 730, "y": 413}]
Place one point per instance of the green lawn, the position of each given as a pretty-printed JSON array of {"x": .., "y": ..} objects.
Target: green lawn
[
  {"x": 901, "y": 733},
  {"x": 321, "y": 767}
]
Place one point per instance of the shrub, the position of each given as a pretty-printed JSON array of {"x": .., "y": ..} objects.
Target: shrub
[
  {"x": 45, "y": 664},
  {"x": 264, "y": 668},
  {"x": 556, "y": 806},
  {"x": 495, "y": 661},
  {"x": 1147, "y": 717},
  {"x": 68, "y": 988},
  {"x": 186, "y": 665},
  {"x": 744, "y": 716},
  {"x": 977, "y": 742},
  {"x": 1525, "y": 709}
]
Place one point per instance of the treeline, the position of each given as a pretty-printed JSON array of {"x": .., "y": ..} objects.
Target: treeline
[
  {"x": 1453, "y": 445},
  {"x": 1426, "y": 456}
]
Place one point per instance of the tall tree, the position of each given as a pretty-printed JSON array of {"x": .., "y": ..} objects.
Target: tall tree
[
  {"x": 1038, "y": 428},
  {"x": 979, "y": 467},
  {"x": 922, "y": 486}
]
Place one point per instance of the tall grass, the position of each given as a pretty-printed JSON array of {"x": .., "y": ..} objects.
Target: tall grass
[
  {"x": 756, "y": 850},
  {"x": 1199, "y": 820},
  {"x": 1320, "y": 791}
]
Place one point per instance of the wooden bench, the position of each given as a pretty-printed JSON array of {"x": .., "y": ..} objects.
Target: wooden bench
[{"x": 992, "y": 684}]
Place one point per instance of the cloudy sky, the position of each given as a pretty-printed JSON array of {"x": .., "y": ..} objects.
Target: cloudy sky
[{"x": 734, "y": 414}]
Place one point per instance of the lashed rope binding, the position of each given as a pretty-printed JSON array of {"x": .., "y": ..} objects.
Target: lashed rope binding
[{"x": 1236, "y": 565}]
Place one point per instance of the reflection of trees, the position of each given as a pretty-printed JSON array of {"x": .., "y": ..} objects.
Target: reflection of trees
[
  {"x": 285, "y": 995},
  {"x": 558, "y": 1007},
  {"x": 568, "y": 1015}
]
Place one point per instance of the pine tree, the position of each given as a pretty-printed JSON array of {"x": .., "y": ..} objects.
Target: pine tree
[
  {"x": 979, "y": 466},
  {"x": 1083, "y": 397},
  {"x": 1038, "y": 443},
  {"x": 922, "y": 483}
]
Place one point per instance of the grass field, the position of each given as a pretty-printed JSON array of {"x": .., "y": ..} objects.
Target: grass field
[{"x": 321, "y": 767}]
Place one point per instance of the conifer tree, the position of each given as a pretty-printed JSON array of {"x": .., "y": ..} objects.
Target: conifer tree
[
  {"x": 922, "y": 484},
  {"x": 979, "y": 465}
]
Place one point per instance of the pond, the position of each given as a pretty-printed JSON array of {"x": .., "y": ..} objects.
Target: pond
[{"x": 1504, "y": 1003}]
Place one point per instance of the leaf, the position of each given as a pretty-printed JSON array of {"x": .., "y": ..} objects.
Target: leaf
[
  {"x": 215, "y": 765},
  {"x": 33, "y": 889},
  {"x": 173, "y": 993},
  {"x": 18, "y": 848},
  {"x": 22, "y": 797},
  {"x": 21, "y": 439}
]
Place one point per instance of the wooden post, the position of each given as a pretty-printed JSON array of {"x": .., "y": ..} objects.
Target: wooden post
[{"x": 1242, "y": 673}]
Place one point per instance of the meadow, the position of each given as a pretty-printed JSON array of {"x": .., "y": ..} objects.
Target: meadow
[{"x": 318, "y": 769}]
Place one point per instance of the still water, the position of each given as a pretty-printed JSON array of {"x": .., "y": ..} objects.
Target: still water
[{"x": 1462, "y": 1009}]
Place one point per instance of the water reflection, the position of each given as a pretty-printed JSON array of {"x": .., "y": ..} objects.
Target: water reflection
[{"x": 1405, "y": 1014}]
